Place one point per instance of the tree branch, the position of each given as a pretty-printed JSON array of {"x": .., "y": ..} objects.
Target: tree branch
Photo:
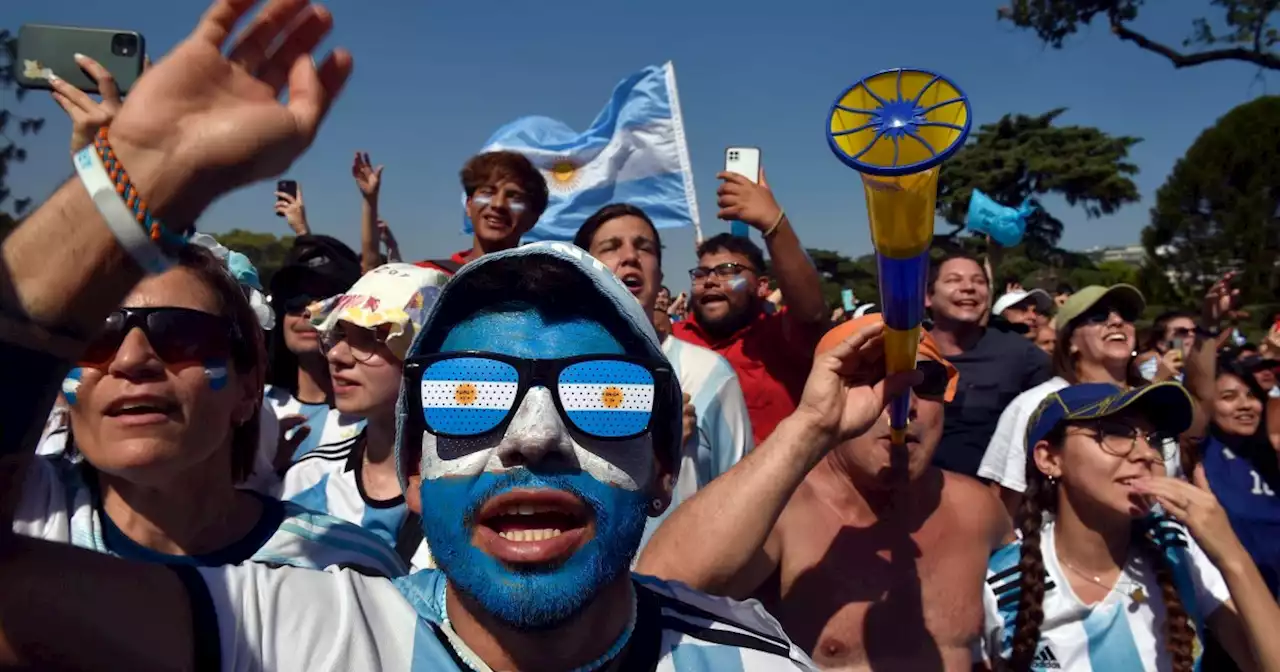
[{"x": 1181, "y": 60}]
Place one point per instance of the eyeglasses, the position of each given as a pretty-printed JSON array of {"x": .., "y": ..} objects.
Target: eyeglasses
[
  {"x": 176, "y": 335},
  {"x": 1183, "y": 332},
  {"x": 723, "y": 271},
  {"x": 1121, "y": 439},
  {"x": 467, "y": 394},
  {"x": 298, "y": 304},
  {"x": 363, "y": 343},
  {"x": 1101, "y": 312}
]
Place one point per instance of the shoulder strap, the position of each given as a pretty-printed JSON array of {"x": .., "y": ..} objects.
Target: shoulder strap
[{"x": 409, "y": 537}]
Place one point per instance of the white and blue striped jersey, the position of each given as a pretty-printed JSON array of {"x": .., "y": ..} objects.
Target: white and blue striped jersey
[
  {"x": 328, "y": 480},
  {"x": 1125, "y": 630},
  {"x": 59, "y": 503},
  {"x": 255, "y": 618},
  {"x": 327, "y": 424},
  {"x": 724, "y": 428}
]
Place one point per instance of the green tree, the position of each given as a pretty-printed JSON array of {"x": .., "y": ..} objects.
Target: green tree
[
  {"x": 840, "y": 272},
  {"x": 1024, "y": 157},
  {"x": 265, "y": 250},
  {"x": 10, "y": 152},
  {"x": 1220, "y": 208},
  {"x": 1247, "y": 33}
]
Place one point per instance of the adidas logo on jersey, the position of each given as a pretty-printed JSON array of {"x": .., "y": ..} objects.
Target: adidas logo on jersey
[{"x": 1045, "y": 660}]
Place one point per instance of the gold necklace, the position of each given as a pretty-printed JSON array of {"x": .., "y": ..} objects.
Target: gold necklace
[{"x": 1138, "y": 595}]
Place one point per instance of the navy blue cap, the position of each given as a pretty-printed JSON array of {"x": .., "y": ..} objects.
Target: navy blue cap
[{"x": 1168, "y": 406}]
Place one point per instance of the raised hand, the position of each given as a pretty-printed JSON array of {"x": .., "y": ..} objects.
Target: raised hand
[
  {"x": 368, "y": 178},
  {"x": 1219, "y": 300},
  {"x": 202, "y": 123},
  {"x": 740, "y": 199},
  {"x": 294, "y": 211},
  {"x": 1196, "y": 507},
  {"x": 87, "y": 115},
  {"x": 846, "y": 391}
]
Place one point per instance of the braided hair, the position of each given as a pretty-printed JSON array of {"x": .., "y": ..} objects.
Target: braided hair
[{"x": 1042, "y": 496}]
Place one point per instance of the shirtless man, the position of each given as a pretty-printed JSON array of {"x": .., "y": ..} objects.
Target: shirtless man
[{"x": 869, "y": 557}]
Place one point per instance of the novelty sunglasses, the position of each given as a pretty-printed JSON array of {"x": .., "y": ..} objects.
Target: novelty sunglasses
[
  {"x": 176, "y": 335},
  {"x": 468, "y": 394}
]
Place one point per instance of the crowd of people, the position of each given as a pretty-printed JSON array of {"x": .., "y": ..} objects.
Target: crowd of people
[{"x": 537, "y": 457}]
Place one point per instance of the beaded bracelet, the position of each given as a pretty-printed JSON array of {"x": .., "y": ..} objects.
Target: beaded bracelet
[{"x": 168, "y": 241}]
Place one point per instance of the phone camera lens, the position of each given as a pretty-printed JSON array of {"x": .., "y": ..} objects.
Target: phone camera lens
[{"x": 124, "y": 44}]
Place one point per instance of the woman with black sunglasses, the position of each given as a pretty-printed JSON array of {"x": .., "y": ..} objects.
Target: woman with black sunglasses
[
  {"x": 1120, "y": 567},
  {"x": 163, "y": 408},
  {"x": 1095, "y": 344},
  {"x": 364, "y": 334}
]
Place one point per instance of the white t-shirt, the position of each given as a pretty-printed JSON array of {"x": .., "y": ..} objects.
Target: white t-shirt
[
  {"x": 285, "y": 619},
  {"x": 1120, "y": 632},
  {"x": 1005, "y": 461}
]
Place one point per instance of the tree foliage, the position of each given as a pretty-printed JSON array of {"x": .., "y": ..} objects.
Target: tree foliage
[
  {"x": 1021, "y": 157},
  {"x": 10, "y": 152},
  {"x": 840, "y": 272},
  {"x": 1220, "y": 208},
  {"x": 265, "y": 250},
  {"x": 1246, "y": 32}
]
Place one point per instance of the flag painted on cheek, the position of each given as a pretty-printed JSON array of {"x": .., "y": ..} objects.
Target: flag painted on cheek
[
  {"x": 71, "y": 385},
  {"x": 216, "y": 371}
]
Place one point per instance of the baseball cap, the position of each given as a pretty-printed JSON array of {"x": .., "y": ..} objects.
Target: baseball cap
[
  {"x": 1044, "y": 302},
  {"x": 600, "y": 280},
  {"x": 321, "y": 260},
  {"x": 391, "y": 294},
  {"x": 1168, "y": 406},
  {"x": 1079, "y": 303},
  {"x": 928, "y": 347}
]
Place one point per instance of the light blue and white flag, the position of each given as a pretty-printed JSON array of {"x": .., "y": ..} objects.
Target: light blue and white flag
[{"x": 634, "y": 152}]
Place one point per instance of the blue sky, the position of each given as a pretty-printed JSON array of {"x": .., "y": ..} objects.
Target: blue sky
[{"x": 433, "y": 80}]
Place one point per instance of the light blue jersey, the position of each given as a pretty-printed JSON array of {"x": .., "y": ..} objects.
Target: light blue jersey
[
  {"x": 284, "y": 620},
  {"x": 724, "y": 427},
  {"x": 58, "y": 504},
  {"x": 1118, "y": 633},
  {"x": 328, "y": 480}
]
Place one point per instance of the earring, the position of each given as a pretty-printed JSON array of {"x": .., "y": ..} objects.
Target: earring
[
  {"x": 1053, "y": 480},
  {"x": 656, "y": 506}
]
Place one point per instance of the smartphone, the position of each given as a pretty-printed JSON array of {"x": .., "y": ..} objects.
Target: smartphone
[
  {"x": 846, "y": 298},
  {"x": 44, "y": 49},
  {"x": 744, "y": 161},
  {"x": 288, "y": 187}
]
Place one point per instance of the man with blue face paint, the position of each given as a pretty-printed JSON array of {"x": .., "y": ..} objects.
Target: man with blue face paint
[{"x": 538, "y": 428}]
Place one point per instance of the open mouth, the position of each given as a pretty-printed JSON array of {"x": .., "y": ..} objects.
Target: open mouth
[
  {"x": 966, "y": 304},
  {"x": 142, "y": 410},
  {"x": 533, "y": 527},
  {"x": 1115, "y": 338},
  {"x": 495, "y": 221},
  {"x": 1247, "y": 418},
  {"x": 633, "y": 282},
  {"x": 712, "y": 297},
  {"x": 342, "y": 384}
]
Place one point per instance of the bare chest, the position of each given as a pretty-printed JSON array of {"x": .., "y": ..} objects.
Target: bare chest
[{"x": 854, "y": 597}]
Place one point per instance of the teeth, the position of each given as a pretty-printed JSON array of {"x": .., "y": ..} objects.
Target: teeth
[
  {"x": 526, "y": 510},
  {"x": 529, "y": 535}
]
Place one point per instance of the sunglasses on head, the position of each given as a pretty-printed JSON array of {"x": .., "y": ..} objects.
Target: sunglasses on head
[
  {"x": 469, "y": 394},
  {"x": 1101, "y": 312},
  {"x": 176, "y": 335}
]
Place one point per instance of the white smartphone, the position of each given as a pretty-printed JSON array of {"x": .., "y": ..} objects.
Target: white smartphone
[{"x": 744, "y": 161}]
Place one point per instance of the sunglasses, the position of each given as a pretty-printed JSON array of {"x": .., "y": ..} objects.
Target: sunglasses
[
  {"x": 176, "y": 335},
  {"x": 363, "y": 343},
  {"x": 298, "y": 304},
  {"x": 469, "y": 394},
  {"x": 1101, "y": 312}
]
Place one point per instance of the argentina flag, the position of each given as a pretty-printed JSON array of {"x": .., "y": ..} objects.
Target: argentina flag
[{"x": 634, "y": 152}]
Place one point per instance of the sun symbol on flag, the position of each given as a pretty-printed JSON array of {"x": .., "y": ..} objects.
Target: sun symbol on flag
[
  {"x": 564, "y": 175},
  {"x": 611, "y": 397},
  {"x": 465, "y": 395}
]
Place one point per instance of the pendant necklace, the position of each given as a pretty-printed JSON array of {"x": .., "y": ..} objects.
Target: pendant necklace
[{"x": 1138, "y": 595}]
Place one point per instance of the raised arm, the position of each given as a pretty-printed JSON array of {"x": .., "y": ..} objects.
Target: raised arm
[
  {"x": 197, "y": 126},
  {"x": 369, "y": 182},
  {"x": 754, "y": 204},
  {"x": 715, "y": 543}
]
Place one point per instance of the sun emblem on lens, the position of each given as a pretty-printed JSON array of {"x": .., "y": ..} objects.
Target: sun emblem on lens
[
  {"x": 563, "y": 175},
  {"x": 611, "y": 397},
  {"x": 465, "y": 395}
]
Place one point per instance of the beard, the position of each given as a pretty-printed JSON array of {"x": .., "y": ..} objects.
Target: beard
[
  {"x": 727, "y": 324},
  {"x": 535, "y": 597}
]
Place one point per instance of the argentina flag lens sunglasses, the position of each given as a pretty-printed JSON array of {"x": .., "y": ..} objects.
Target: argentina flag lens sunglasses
[{"x": 468, "y": 394}]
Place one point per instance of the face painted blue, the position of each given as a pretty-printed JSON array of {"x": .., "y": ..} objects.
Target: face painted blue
[
  {"x": 543, "y": 597},
  {"x": 216, "y": 371},
  {"x": 71, "y": 385}
]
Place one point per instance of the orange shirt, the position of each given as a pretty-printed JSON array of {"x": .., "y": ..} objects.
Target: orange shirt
[{"x": 772, "y": 357}]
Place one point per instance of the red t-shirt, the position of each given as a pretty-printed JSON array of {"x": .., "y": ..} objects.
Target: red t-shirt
[
  {"x": 458, "y": 258},
  {"x": 772, "y": 357}
]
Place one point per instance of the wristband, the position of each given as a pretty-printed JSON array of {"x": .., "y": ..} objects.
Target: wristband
[
  {"x": 782, "y": 214},
  {"x": 143, "y": 237}
]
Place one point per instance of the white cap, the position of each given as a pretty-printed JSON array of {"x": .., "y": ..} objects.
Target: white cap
[{"x": 1044, "y": 302}]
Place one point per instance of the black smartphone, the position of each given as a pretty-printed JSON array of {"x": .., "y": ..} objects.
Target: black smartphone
[
  {"x": 45, "y": 50},
  {"x": 286, "y": 187}
]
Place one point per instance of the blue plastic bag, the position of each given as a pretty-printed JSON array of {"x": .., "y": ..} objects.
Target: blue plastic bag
[{"x": 1004, "y": 224}]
